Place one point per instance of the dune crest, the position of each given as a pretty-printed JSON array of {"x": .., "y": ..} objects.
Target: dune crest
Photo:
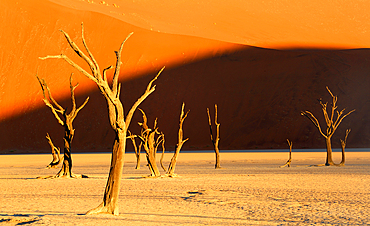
[{"x": 269, "y": 24}]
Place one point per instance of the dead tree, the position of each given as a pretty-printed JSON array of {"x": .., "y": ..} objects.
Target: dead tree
[
  {"x": 215, "y": 141},
  {"x": 136, "y": 149},
  {"x": 151, "y": 139},
  {"x": 163, "y": 150},
  {"x": 66, "y": 120},
  {"x": 290, "y": 154},
  {"x": 343, "y": 145},
  {"x": 180, "y": 142},
  {"x": 117, "y": 119},
  {"x": 331, "y": 124},
  {"x": 55, "y": 151}
]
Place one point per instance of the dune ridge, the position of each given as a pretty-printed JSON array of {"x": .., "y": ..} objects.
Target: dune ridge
[{"x": 269, "y": 24}]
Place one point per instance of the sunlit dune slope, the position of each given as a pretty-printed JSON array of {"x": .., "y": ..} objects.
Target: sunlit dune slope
[
  {"x": 269, "y": 23},
  {"x": 35, "y": 33},
  {"x": 260, "y": 92}
]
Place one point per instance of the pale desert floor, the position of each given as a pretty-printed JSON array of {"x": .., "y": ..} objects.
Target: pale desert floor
[{"x": 251, "y": 189}]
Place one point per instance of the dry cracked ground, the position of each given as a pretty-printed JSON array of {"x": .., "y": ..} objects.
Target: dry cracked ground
[{"x": 243, "y": 192}]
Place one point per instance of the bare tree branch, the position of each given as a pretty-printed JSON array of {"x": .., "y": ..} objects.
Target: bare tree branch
[
  {"x": 118, "y": 64},
  {"x": 314, "y": 120},
  {"x": 149, "y": 89}
]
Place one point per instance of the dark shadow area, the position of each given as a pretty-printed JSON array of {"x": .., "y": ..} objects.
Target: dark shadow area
[{"x": 259, "y": 92}]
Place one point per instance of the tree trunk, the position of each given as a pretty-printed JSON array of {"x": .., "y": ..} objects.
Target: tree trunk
[
  {"x": 290, "y": 155},
  {"x": 152, "y": 165},
  {"x": 137, "y": 161},
  {"x": 329, "y": 158},
  {"x": 137, "y": 153},
  {"x": 180, "y": 142},
  {"x": 343, "y": 156},
  {"x": 66, "y": 170},
  {"x": 217, "y": 152},
  {"x": 215, "y": 141},
  {"x": 171, "y": 167},
  {"x": 110, "y": 199}
]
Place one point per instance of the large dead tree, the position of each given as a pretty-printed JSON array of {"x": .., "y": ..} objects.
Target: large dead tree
[
  {"x": 331, "y": 124},
  {"x": 66, "y": 120},
  {"x": 151, "y": 139},
  {"x": 180, "y": 142},
  {"x": 215, "y": 141},
  {"x": 118, "y": 121}
]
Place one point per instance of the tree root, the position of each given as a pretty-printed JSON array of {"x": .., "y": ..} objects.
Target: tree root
[
  {"x": 101, "y": 209},
  {"x": 286, "y": 164},
  {"x": 172, "y": 175}
]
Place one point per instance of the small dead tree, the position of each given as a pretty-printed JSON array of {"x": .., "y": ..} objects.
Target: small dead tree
[
  {"x": 55, "y": 151},
  {"x": 290, "y": 154},
  {"x": 163, "y": 150},
  {"x": 215, "y": 141},
  {"x": 343, "y": 145},
  {"x": 136, "y": 149},
  {"x": 151, "y": 139},
  {"x": 117, "y": 119},
  {"x": 66, "y": 120},
  {"x": 180, "y": 142},
  {"x": 331, "y": 124}
]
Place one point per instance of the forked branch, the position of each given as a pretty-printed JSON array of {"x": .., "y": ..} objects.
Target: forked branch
[
  {"x": 52, "y": 104},
  {"x": 314, "y": 120},
  {"x": 149, "y": 89},
  {"x": 55, "y": 151}
]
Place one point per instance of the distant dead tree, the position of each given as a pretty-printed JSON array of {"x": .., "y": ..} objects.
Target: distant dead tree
[
  {"x": 331, "y": 124},
  {"x": 215, "y": 141},
  {"x": 151, "y": 139},
  {"x": 117, "y": 119},
  {"x": 180, "y": 142},
  {"x": 163, "y": 150},
  {"x": 66, "y": 120},
  {"x": 290, "y": 154},
  {"x": 136, "y": 149},
  {"x": 55, "y": 151},
  {"x": 343, "y": 145}
]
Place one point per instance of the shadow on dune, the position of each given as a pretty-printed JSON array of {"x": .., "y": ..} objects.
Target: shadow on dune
[{"x": 260, "y": 94}]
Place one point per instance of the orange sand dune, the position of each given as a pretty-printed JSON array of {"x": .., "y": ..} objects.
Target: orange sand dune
[
  {"x": 260, "y": 92},
  {"x": 36, "y": 33},
  {"x": 271, "y": 24}
]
